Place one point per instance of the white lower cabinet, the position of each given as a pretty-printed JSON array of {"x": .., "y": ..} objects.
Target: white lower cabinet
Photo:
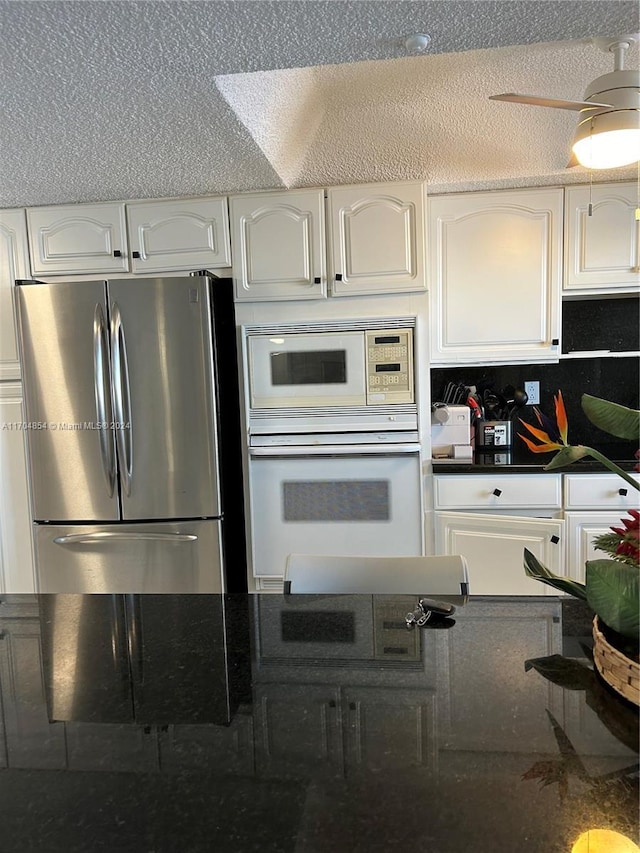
[
  {"x": 493, "y": 546},
  {"x": 17, "y": 567},
  {"x": 581, "y": 530}
]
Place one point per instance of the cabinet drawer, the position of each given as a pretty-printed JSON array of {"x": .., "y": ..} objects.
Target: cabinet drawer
[
  {"x": 504, "y": 491},
  {"x": 599, "y": 491}
]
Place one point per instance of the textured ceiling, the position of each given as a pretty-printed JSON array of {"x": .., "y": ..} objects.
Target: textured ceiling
[{"x": 112, "y": 100}]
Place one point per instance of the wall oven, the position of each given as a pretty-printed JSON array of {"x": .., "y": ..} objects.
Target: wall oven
[
  {"x": 334, "y": 451},
  {"x": 340, "y": 377},
  {"x": 359, "y": 499}
]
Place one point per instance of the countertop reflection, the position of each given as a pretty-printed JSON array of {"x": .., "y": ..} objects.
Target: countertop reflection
[{"x": 306, "y": 723}]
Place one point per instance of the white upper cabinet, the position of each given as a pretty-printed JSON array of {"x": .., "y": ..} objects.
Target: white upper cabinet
[
  {"x": 162, "y": 236},
  {"x": 179, "y": 235},
  {"x": 14, "y": 263},
  {"x": 494, "y": 276},
  {"x": 78, "y": 238},
  {"x": 377, "y": 238},
  {"x": 278, "y": 245},
  {"x": 602, "y": 251},
  {"x": 375, "y": 242}
]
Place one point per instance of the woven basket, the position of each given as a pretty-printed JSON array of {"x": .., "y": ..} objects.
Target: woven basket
[{"x": 620, "y": 672}]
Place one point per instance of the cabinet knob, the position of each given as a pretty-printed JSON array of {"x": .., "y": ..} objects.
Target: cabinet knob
[
  {"x": 555, "y": 539},
  {"x": 317, "y": 280},
  {"x": 623, "y": 492},
  {"x": 497, "y": 492},
  {"x": 117, "y": 253},
  {"x": 2, "y": 635},
  {"x": 332, "y": 703},
  {"x": 352, "y": 706},
  {"x": 338, "y": 276},
  {"x": 135, "y": 254},
  {"x": 555, "y": 342}
]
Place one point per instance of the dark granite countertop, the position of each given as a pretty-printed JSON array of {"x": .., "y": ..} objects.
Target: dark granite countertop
[
  {"x": 306, "y": 724},
  {"x": 519, "y": 460}
]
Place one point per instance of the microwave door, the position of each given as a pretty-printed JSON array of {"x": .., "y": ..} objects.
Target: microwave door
[
  {"x": 65, "y": 364},
  {"x": 304, "y": 370}
]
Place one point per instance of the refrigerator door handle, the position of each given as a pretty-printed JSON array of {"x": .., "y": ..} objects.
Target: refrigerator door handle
[
  {"x": 104, "y": 414},
  {"x": 113, "y": 535},
  {"x": 134, "y": 638},
  {"x": 122, "y": 398}
]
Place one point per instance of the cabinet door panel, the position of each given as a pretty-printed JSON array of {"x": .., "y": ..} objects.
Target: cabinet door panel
[
  {"x": 602, "y": 250},
  {"x": 582, "y": 528},
  {"x": 14, "y": 263},
  {"x": 495, "y": 263},
  {"x": 179, "y": 235},
  {"x": 494, "y": 545},
  {"x": 278, "y": 245},
  {"x": 17, "y": 567},
  {"x": 377, "y": 238},
  {"x": 78, "y": 238}
]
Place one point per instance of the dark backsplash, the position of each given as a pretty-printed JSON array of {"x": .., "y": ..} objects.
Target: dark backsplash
[{"x": 615, "y": 379}]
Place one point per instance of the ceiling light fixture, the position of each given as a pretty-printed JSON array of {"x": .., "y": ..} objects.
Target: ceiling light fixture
[
  {"x": 608, "y": 133},
  {"x": 609, "y": 137}
]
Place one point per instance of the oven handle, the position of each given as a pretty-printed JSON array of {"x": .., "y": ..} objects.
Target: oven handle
[{"x": 337, "y": 450}]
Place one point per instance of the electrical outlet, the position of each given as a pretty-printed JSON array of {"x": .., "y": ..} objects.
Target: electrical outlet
[{"x": 533, "y": 393}]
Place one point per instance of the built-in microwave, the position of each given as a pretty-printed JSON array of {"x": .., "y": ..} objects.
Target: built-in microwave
[{"x": 331, "y": 377}]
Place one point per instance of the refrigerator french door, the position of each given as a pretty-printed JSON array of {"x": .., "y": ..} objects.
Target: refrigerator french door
[
  {"x": 355, "y": 500},
  {"x": 121, "y": 403}
]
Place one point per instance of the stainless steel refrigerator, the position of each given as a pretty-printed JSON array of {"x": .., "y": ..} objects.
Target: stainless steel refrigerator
[{"x": 131, "y": 399}]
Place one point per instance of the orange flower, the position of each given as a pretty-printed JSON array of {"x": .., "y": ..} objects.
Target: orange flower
[{"x": 548, "y": 442}]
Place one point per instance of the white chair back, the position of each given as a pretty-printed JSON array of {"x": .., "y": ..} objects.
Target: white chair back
[{"x": 439, "y": 576}]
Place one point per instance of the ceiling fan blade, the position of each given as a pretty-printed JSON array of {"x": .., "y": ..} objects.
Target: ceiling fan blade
[
  {"x": 557, "y": 103},
  {"x": 573, "y": 162}
]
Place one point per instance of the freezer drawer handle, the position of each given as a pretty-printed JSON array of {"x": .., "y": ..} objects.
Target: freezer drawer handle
[
  {"x": 121, "y": 394},
  {"x": 102, "y": 381},
  {"x": 112, "y": 535}
]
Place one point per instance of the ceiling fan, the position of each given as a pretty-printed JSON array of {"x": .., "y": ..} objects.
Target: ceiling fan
[{"x": 608, "y": 132}]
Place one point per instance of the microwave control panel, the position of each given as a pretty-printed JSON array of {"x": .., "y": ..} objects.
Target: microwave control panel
[{"x": 390, "y": 366}]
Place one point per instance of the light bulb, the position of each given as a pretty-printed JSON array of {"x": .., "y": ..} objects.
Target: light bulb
[{"x": 609, "y": 150}]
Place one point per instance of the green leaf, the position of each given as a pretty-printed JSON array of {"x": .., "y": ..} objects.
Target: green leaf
[
  {"x": 566, "y": 456},
  {"x": 533, "y": 568},
  {"x": 613, "y": 592},
  {"x": 612, "y": 418}
]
